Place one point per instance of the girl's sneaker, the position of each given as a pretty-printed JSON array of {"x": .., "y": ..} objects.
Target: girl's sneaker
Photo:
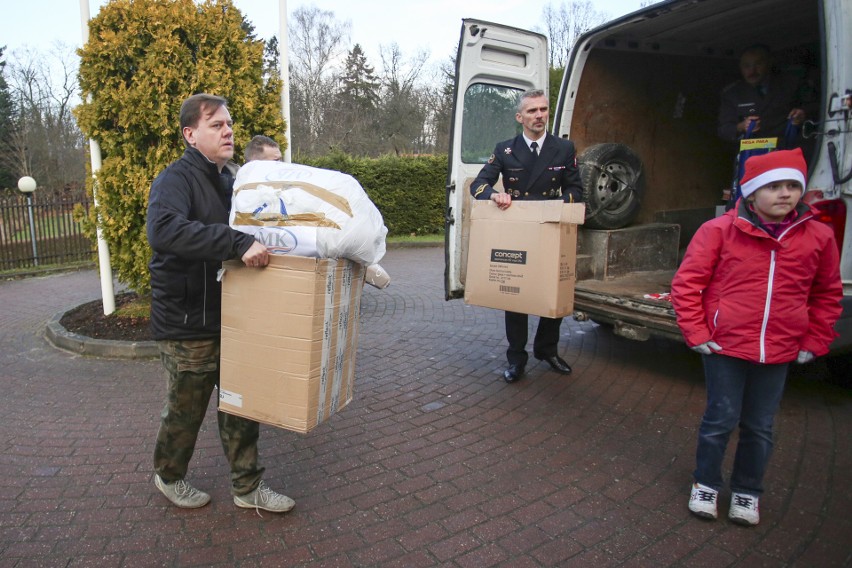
[
  {"x": 702, "y": 501},
  {"x": 744, "y": 509}
]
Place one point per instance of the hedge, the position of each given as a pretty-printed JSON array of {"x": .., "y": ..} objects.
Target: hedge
[{"x": 407, "y": 190}]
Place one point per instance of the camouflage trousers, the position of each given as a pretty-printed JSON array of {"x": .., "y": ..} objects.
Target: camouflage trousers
[{"x": 192, "y": 367}]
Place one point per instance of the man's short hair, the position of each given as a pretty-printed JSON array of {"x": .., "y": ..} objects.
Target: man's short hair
[
  {"x": 254, "y": 149},
  {"x": 757, "y": 48},
  {"x": 532, "y": 94},
  {"x": 193, "y": 107}
]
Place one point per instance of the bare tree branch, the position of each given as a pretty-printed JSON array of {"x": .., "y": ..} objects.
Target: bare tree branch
[
  {"x": 565, "y": 23},
  {"x": 44, "y": 141}
]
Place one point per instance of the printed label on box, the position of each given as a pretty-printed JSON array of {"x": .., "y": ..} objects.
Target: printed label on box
[
  {"x": 232, "y": 398},
  {"x": 509, "y": 256}
]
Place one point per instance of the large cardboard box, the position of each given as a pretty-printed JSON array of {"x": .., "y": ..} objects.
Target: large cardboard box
[
  {"x": 289, "y": 338},
  {"x": 523, "y": 259}
]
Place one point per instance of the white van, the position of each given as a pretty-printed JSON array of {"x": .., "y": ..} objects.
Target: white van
[{"x": 640, "y": 98}]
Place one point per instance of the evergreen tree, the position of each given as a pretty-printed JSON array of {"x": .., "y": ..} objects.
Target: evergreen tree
[
  {"x": 360, "y": 84},
  {"x": 6, "y": 110},
  {"x": 357, "y": 101},
  {"x": 143, "y": 58},
  {"x": 271, "y": 57}
]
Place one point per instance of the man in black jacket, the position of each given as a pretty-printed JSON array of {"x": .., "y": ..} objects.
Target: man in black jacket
[
  {"x": 534, "y": 165},
  {"x": 189, "y": 234}
]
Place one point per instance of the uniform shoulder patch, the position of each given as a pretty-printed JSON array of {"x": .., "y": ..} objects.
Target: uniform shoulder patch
[{"x": 491, "y": 159}]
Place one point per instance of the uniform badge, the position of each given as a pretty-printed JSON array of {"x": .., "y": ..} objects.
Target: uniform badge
[
  {"x": 507, "y": 151},
  {"x": 491, "y": 159}
]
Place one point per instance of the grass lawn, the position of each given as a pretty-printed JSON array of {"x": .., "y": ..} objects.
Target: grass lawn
[{"x": 437, "y": 239}]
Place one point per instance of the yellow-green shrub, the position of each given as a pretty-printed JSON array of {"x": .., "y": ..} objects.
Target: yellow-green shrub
[{"x": 143, "y": 58}]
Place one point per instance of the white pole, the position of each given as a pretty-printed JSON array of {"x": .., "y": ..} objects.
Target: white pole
[
  {"x": 107, "y": 292},
  {"x": 32, "y": 228},
  {"x": 284, "y": 50}
]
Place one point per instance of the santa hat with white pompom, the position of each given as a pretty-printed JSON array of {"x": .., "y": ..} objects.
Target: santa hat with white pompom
[{"x": 772, "y": 167}]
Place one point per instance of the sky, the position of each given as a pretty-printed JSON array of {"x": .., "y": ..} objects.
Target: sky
[{"x": 415, "y": 25}]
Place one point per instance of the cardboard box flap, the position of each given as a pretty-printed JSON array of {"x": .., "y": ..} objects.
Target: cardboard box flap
[{"x": 545, "y": 211}]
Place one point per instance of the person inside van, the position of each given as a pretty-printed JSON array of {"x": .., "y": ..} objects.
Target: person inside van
[{"x": 763, "y": 103}]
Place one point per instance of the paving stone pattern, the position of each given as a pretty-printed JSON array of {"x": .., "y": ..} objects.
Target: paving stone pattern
[{"x": 436, "y": 462}]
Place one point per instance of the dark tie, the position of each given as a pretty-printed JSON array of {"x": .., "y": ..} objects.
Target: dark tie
[{"x": 534, "y": 148}]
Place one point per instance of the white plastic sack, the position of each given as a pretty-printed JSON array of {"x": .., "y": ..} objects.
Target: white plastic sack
[{"x": 296, "y": 209}]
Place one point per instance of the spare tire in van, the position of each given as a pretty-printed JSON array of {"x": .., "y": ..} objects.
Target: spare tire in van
[{"x": 613, "y": 184}]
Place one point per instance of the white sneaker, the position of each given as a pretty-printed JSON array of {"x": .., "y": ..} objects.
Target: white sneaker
[
  {"x": 264, "y": 498},
  {"x": 702, "y": 501},
  {"x": 744, "y": 509},
  {"x": 182, "y": 493}
]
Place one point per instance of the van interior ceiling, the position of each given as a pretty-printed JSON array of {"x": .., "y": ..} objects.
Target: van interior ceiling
[{"x": 654, "y": 84}]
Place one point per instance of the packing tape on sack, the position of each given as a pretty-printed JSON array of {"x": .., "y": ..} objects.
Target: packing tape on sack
[
  {"x": 279, "y": 220},
  {"x": 319, "y": 192}
]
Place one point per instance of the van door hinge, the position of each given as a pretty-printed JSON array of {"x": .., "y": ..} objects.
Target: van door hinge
[{"x": 448, "y": 218}]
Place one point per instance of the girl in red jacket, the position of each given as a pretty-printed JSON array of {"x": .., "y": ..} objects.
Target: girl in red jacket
[{"x": 758, "y": 288}]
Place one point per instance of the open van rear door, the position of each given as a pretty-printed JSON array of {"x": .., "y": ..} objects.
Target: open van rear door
[{"x": 494, "y": 65}]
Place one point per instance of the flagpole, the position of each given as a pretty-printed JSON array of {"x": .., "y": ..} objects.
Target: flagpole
[
  {"x": 107, "y": 292},
  {"x": 284, "y": 50}
]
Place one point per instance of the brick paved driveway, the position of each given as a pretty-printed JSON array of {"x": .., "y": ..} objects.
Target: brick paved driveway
[{"x": 437, "y": 462}]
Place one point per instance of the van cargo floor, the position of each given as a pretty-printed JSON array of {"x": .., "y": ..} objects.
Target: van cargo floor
[{"x": 622, "y": 302}]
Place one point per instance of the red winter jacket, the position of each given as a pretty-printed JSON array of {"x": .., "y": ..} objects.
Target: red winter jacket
[{"x": 762, "y": 299}]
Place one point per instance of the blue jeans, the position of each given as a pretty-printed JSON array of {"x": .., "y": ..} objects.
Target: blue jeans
[{"x": 744, "y": 393}]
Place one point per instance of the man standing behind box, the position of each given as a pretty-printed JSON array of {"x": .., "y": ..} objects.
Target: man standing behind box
[
  {"x": 534, "y": 165},
  {"x": 190, "y": 237}
]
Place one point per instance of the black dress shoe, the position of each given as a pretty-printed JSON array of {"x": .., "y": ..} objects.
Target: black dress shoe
[
  {"x": 558, "y": 364},
  {"x": 513, "y": 373}
]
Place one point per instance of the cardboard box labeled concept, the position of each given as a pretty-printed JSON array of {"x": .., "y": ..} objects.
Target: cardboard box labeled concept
[
  {"x": 289, "y": 338},
  {"x": 524, "y": 259}
]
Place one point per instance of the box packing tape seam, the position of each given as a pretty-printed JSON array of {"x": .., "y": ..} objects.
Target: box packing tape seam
[
  {"x": 342, "y": 333},
  {"x": 328, "y": 322}
]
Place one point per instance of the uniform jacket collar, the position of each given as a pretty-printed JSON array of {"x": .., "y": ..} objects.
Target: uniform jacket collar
[{"x": 535, "y": 165}]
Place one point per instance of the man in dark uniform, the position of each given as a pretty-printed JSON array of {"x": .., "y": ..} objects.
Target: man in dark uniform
[{"x": 534, "y": 165}]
